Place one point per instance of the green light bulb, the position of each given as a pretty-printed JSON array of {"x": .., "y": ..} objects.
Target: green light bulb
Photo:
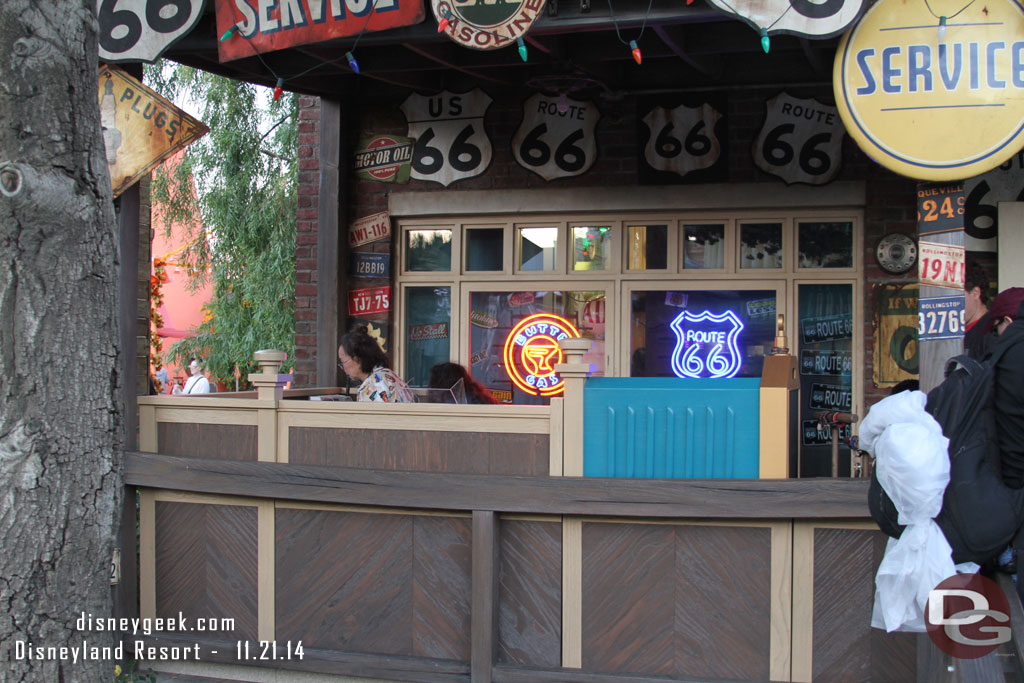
[
  {"x": 766, "y": 42},
  {"x": 522, "y": 48}
]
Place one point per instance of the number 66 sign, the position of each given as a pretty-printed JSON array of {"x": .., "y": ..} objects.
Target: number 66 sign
[
  {"x": 801, "y": 140},
  {"x": 556, "y": 140},
  {"x": 140, "y": 30}
]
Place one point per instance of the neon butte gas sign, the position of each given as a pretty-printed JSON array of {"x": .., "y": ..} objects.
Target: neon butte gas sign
[
  {"x": 708, "y": 350},
  {"x": 531, "y": 353}
]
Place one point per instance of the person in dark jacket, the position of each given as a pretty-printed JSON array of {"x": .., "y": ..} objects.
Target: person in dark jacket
[
  {"x": 977, "y": 340},
  {"x": 1006, "y": 318},
  {"x": 447, "y": 375}
]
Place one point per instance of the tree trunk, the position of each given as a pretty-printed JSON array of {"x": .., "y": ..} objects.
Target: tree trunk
[{"x": 60, "y": 414}]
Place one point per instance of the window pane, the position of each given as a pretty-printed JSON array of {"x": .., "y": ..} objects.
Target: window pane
[
  {"x": 428, "y": 314},
  {"x": 484, "y": 247},
  {"x": 648, "y": 247},
  {"x": 761, "y": 245},
  {"x": 825, "y": 348},
  {"x": 704, "y": 246},
  {"x": 591, "y": 247},
  {"x": 676, "y": 334},
  {"x": 428, "y": 250},
  {"x": 537, "y": 248},
  {"x": 515, "y": 328},
  {"x": 825, "y": 245}
]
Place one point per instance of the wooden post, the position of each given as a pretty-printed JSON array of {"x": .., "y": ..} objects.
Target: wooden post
[
  {"x": 330, "y": 267},
  {"x": 484, "y": 609},
  {"x": 574, "y": 373},
  {"x": 269, "y": 388}
]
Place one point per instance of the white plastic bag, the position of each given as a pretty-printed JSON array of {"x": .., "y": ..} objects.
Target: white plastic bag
[{"x": 912, "y": 465}]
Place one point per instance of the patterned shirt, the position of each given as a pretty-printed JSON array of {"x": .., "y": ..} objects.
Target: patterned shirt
[{"x": 384, "y": 386}]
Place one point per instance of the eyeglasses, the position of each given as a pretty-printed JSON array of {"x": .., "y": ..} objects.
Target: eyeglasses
[{"x": 342, "y": 364}]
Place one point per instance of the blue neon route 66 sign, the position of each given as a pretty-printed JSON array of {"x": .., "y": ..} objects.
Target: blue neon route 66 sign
[{"x": 706, "y": 344}]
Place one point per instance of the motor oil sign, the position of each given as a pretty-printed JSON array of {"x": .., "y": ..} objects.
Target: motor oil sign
[
  {"x": 385, "y": 158},
  {"x": 264, "y": 26}
]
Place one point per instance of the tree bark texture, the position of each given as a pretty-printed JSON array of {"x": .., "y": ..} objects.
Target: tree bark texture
[{"x": 60, "y": 412}]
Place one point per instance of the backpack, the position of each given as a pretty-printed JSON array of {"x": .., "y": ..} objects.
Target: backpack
[{"x": 980, "y": 514}]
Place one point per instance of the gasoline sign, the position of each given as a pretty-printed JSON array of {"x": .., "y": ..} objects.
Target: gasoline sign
[
  {"x": 487, "y": 25},
  {"x": 934, "y": 102},
  {"x": 532, "y": 351}
]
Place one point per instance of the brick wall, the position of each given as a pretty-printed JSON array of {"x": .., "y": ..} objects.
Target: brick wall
[{"x": 890, "y": 198}]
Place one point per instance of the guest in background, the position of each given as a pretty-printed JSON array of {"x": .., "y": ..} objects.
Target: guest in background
[
  {"x": 447, "y": 375},
  {"x": 977, "y": 340},
  {"x": 362, "y": 359},
  {"x": 196, "y": 384}
]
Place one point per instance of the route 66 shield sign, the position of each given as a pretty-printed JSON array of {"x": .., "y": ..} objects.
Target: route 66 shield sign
[
  {"x": 451, "y": 143},
  {"x": 556, "y": 141},
  {"x": 801, "y": 140},
  {"x": 706, "y": 344},
  {"x": 683, "y": 139},
  {"x": 140, "y": 30}
]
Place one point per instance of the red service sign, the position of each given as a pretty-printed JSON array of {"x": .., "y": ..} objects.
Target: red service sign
[
  {"x": 369, "y": 301},
  {"x": 265, "y": 27}
]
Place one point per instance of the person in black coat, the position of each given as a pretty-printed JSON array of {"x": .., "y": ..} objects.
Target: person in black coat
[
  {"x": 977, "y": 338},
  {"x": 1007, "y": 320}
]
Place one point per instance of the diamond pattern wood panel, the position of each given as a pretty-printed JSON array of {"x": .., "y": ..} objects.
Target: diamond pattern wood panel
[
  {"x": 676, "y": 600},
  {"x": 530, "y": 594},
  {"x": 206, "y": 564}
]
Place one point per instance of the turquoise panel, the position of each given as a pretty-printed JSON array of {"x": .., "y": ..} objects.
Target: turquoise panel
[{"x": 671, "y": 428}]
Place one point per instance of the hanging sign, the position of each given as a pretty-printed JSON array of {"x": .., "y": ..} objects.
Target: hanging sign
[
  {"x": 931, "y": 106},
  {"x": 800, "y": 141},
  {"x": 983, "y": 194},
  {"x": 816, "y": 434},
  {"x": 369, "y": 301},
  {"x": 140, "y": 128},
  {"x": 264, "y": 26},
  {"x": 451, "y": 143},
  {"x": 385, "y": 158},
  {"x": 532, "y": 352},
  {"x": 682, "y": 140},
  {"x": 817, "y": 19},
  {"x": 369, "y": 229},
  {"x": 487, "y": 25},
  {"x": 556, "y": 141},
  {"x": 941, "y": 265},
  {"x": 706, "y": 344},
  {"x": 371, "y": 265},
  {"x": 140, "y": 30},
  {"x": 941, "y": 317}
]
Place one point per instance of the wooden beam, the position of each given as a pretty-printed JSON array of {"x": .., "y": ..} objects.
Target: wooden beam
[
  {"x": 475, "y": 73},
  {"x": 678, "y": 50},
  {"x": 634, "y": 498},
  {"x": 330, "y": 271},
  {"x": 484, "y": 599}
]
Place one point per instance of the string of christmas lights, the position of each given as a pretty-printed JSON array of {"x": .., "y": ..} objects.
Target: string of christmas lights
[
  {"x": 942, "y": 19},
  {"x": 279, "y": 86},
  {"x": 633, "y": 46},
  {"x": 766, "y": 42}
]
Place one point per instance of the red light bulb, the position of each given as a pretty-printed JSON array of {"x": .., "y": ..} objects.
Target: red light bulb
[{"x": 637, "y": 57}]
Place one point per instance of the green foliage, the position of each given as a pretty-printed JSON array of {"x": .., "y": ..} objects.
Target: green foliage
[
  {"x": 131, "y": 674},
  {"x": 234, "y": 193}
]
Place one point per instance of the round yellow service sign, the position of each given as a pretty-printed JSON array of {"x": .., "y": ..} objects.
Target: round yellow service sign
[{"x": 929, "y": 102}]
